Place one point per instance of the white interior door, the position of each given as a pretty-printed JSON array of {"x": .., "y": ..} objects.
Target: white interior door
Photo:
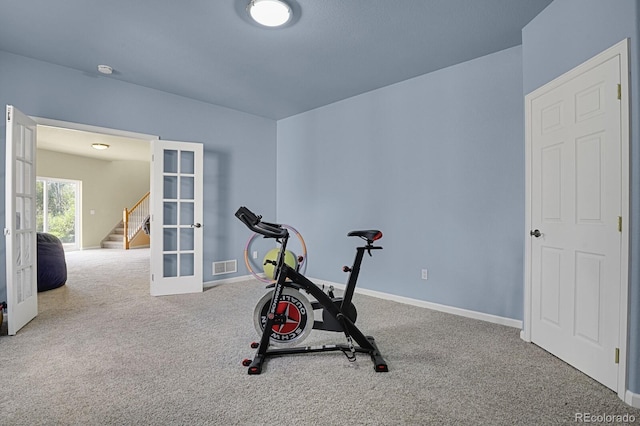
[
  {"x": 576, "y": 190},
  {"x": 176, "y": 217},
  {"x": 20, "y": 212}
]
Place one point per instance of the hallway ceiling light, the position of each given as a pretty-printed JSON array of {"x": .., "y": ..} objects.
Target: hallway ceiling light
[
  {"x": 270, "y": 13},
  {"x": 99, "y": 146}
]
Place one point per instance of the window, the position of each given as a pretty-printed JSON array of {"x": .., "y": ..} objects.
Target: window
[{"x": 57, "y": 207}]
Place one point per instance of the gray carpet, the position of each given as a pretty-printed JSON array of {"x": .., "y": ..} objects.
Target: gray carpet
[{"x": 104, "y": 352}]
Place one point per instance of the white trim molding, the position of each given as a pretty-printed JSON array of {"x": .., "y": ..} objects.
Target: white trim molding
[
  {"x": 430, "y": 305},
  {"x": 509, "y": 322},
  {"x": 633, "y": 399},
  {"x": 93, "y": 129},
  {"x": 211, "y": 284}
]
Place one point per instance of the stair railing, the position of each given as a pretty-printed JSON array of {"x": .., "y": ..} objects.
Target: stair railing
[{"x": 134, "y": 219}]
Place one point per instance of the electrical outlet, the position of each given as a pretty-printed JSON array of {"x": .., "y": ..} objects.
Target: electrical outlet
[
  {"x": 425, "y": 274},
  {"x": 255, "y": 254}
]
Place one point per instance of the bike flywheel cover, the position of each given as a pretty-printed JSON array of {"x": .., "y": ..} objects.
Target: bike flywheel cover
[{"x": 294, "y": 316}]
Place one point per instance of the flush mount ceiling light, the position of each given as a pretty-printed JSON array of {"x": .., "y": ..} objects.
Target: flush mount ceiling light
[
  {"x": 99, "y": 146},
  {"x": 270, "y": 13},
  {"x": 105, "y": 69}
]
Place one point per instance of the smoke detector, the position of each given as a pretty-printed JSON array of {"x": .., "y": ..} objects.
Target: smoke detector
[{"x": 105, "y": 69}]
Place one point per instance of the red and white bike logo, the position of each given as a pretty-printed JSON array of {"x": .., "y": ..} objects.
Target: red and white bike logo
[{"x": 290, "y": 319}]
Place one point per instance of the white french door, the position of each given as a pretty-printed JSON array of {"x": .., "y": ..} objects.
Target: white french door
[
  {"x": 578, "y": 203},
  {"x": 176, "y": 217},
  {"x": 20, "y": 212}
]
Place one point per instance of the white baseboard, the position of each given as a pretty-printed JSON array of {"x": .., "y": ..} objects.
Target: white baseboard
[
  {"x": 401, "y": 299},
  {"x": 215, "y": 283},
  {"x": 633, "y": 399},
  {"x": 430, "y": 305}
]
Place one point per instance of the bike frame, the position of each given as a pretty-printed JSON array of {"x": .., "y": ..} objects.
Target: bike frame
[
  {"x": 339, "y": 313},
  {"x": 285, "y": 272}
]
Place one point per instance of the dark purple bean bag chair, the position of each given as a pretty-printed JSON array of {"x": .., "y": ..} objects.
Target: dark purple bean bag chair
[{"x": 52, "y": 267}]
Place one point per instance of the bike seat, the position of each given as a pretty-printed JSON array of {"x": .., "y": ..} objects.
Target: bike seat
[{"x": 370, "y": 235}]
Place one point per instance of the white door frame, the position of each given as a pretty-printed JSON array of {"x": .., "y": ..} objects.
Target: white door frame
[
  {"x": 94, "y": 129},
  {"x": 621, "y": 49}
]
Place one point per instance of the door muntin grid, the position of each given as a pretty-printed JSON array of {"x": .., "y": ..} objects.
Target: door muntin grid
[
  {"x": 24, "y": 224},
  {"x": 178, "y": 204}
]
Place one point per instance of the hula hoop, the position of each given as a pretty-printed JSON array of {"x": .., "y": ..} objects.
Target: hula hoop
[{"x": 302, "y": 264}]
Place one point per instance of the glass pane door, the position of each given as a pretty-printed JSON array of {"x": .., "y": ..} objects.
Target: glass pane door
[
  {"x": 178, "y": 213},
  {"x": 20, "y": 226},
  {"x": 57, "y": 209},
  {"x": 176, "y": 220}
]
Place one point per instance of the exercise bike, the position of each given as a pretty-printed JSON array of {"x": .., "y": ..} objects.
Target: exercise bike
[{"x": 285, "y": 316}]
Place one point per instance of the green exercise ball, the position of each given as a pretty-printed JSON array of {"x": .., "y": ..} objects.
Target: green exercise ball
[{"x": 272, "y": 255}]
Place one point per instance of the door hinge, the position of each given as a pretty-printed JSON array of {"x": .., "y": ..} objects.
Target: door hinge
[
  {"x": 619, "y": 91},
  {"x": 8, "y": 115},
  {"x": 619, "y": 223},
  {"x": 617, "y": 356}
]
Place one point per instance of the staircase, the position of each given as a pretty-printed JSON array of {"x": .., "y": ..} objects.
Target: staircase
[
  {"x": 132, "y": 230},
  {"x": 115, "y": 239}
]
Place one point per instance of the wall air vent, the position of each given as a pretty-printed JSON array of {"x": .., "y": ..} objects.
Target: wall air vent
[{"x": 225, "y": 267}]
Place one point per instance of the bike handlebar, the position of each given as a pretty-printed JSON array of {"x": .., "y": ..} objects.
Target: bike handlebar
[{"x": 254, "y": 222}]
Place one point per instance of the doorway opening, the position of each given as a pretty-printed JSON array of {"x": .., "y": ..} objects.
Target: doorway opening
[
  {"x": 66, "y": 163},
  {"x": 111, "y": 179}
]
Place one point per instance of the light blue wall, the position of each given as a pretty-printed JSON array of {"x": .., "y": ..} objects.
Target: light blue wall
[
  {"x": 437, "y": 164},
  {"x": 565, "y": 34},
  {"x": 239, "y": 149}
]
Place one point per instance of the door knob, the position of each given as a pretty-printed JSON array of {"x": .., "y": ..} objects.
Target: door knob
[
  {"x": 196, "y": 225},
  {"x": 535, "y": 233}
]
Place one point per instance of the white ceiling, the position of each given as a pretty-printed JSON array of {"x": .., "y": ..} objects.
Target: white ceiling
[
  {"x": 78, "y": 142},
  {"x": 210, "y": 50}
]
